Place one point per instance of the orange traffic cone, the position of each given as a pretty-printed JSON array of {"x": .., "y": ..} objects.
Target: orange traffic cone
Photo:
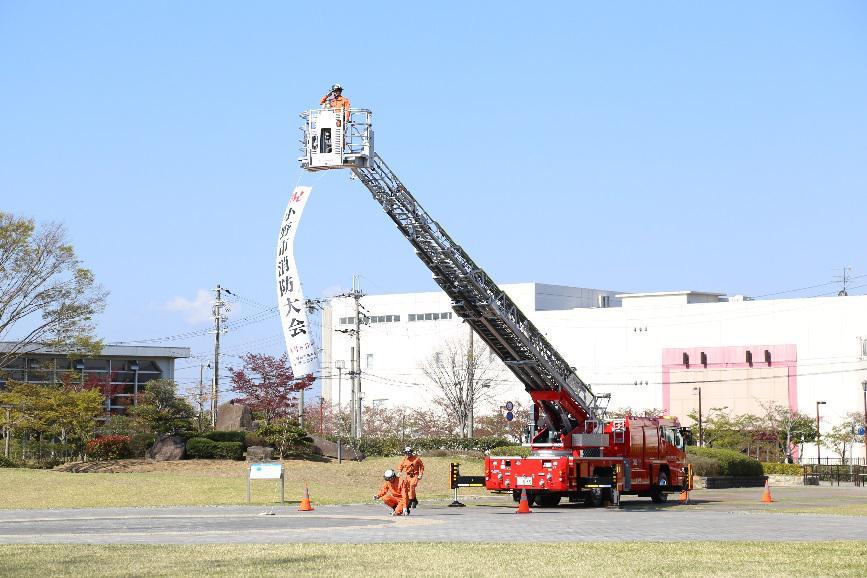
[
  {"x": 523, "y": 505},
  {"x": 684, "y": 497},
  {"x": 766, "y": 497},
  {"x": 305, "y": 501}
]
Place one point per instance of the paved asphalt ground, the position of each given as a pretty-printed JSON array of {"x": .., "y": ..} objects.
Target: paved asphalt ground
[{"x": 712, "y": 515}]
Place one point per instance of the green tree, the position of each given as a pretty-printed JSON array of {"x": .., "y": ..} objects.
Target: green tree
[
  {"x": 788, "y": 427},
  {"x": 46, "y": 297},
  {"x": 160, "y": 410},
  {"x": 46, "y": 412},
  {"x": 286, "y": 437},
  {"x": 843, "y": 436}
]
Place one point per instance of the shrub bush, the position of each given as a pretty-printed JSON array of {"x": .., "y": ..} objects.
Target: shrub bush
[
  {"x": 732, "y": 463},
  {"x": 286, "y": 437},
  {"x": 201, "y": 448},
  {"x": 139, "y": 444},
  {"x": 8, "y": 463},
  {"x": 782, "y": 469},
  {"x": 111, "y": 447},
  {"x": 393, "y": 446},
  {"x": 254, "y": 439},
  {"x": 520, "y": 451},
  {"x": 225, "y": 436},
  {"x": 229, "y": 451},
  {"x": 206, "y": 449},
  {"x": 704, "y": 466}
]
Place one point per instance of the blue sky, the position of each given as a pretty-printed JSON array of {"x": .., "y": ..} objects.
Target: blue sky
[{"x": 634, "y": 146}]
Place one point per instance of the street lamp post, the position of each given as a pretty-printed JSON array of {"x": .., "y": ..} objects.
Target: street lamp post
[
  {"x": 340, "y": 365},
  {"x": 818, "y": 435},
  {"x": 700, "y": 430}
]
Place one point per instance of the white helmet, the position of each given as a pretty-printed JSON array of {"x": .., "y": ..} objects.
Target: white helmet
[
  {"x": 407, "y": 450},
  {"x": 336, "y": 87},
  {"x": 389, "y": 474}
]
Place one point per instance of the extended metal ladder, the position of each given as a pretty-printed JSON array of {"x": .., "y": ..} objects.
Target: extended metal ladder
[{"x": 568, "y": 403}]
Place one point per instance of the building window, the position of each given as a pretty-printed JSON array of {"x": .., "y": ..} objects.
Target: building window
[{"x": 430, "y": 316}]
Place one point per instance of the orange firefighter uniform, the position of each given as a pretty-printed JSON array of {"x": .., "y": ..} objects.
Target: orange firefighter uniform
[
  {"x": 336, "y": 102},
  {"x": 393, "y": 494},
  {"x": 413, "y": 467}
]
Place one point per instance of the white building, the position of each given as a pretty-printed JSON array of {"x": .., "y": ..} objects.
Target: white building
[{"x": 649, "y": 350}]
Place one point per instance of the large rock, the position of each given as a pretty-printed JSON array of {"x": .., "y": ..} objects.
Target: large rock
[
  {"x": 324, "y": 447},
  {"x": 167, "y": 449},
  {"x": 234, "y": 417},
  {"x": 260, "y": 454}
]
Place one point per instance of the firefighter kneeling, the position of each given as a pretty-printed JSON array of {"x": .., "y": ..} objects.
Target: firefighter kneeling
[{"x": 393, "y": 494}]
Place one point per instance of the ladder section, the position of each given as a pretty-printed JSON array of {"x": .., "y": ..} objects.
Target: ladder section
[{"x": 566, "y": 400}]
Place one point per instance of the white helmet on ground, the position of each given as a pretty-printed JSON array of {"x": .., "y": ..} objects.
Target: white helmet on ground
[{"x": 389, "y": 474}]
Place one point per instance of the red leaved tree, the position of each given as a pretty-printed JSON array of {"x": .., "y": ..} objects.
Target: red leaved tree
[{"x": 266, "y": 385}]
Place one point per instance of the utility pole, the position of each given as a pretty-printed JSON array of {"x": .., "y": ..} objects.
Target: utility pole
[
  {"x": 219, "y": 318},
  {"x": 700, "y": 432},
  {"x": 818, "y": 434},
  {"x": 356, "y": 294},
  {"x": 355, "y": 359},
  {"x": 471, "y": 391},
  {"x": 844, "y": 279}
]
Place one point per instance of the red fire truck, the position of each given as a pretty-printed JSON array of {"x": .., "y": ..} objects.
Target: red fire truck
[
  {"x": 575, "y": 451},
  {"x": 641, "y": 456}
]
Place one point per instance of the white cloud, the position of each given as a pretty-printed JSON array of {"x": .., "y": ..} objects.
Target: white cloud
[
  {"x": 333, "y": 290},
  {"x": 196, "y": 311}
]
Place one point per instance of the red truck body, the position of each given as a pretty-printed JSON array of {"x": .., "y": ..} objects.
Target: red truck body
[{"x": 641, "y": 456}]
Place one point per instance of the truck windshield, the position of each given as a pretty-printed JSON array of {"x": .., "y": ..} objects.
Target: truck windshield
[{"x": 673, "y": 436}]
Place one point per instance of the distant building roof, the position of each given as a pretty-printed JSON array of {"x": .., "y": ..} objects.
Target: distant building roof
[{"x": 130, "y": 351}]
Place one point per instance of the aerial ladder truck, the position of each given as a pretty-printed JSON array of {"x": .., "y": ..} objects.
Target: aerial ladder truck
[{"x": 575, "y": 452}]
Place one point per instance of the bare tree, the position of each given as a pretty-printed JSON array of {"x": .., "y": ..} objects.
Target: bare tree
[
  {"x": 46, "y": 298},
  {"x": 462, "y": 379}
]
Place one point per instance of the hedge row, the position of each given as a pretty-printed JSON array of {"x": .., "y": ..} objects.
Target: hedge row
[
  {"x": 393, "y": 446},
  {"x": 731, "y": 463},
  {"x": 506, "y": 451},
  {"x": 203, "y": 449},
  {"x": 782, "y": 469}
]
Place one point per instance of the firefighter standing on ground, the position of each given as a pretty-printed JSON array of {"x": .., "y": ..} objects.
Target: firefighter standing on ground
[
  {"x": 393, "y": 493},
  {"x": 336, "y": 101},
  {"x": 413, "y": 467}
]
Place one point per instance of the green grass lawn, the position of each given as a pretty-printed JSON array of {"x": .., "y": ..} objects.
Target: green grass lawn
[
  {"x": 443, "y": 559},
  {"x": 213, "y": 482}
]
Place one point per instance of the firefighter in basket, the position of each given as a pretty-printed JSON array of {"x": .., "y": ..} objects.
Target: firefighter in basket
[
  {"x": 393, "y": 494},
  {"x": 413, "y": 468}
]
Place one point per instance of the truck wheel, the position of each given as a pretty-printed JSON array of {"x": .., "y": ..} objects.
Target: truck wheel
[
  {"x": 516, "y": 495},
  {"x": 547, "y": 500},
  {"x": 594, "y": 498},
  {"x": 657, "y": 496}
]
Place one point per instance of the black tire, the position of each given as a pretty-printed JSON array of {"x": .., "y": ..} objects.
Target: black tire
[
  {"x": 516, "y": 495},
  {"x": 547, "y": 500},
  {"x": 657, "y": 495},
  {"x": 594, "y": 498}
]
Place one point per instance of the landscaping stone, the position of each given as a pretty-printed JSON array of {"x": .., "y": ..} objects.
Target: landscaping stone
[
  {"x": 260, "y": 454},
  {"x": 234, "y": 417},
  {"x": 327, "y": 448},
  {"x": 167, "y": 448}
]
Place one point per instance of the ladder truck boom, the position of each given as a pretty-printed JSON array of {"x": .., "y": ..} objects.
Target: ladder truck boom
[
  {"x": 575, "y": 451},
  {"x": 567, "y": 402}
]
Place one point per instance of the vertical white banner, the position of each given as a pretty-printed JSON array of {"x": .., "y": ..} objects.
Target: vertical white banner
[{"x": 293, "y": 313}]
